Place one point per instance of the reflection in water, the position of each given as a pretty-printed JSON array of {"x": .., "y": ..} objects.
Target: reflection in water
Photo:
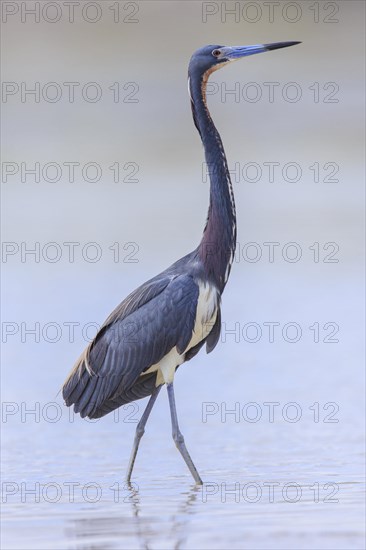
[
  {"x": 120, "y": 531},
  {"x": 182, "y": 518}
]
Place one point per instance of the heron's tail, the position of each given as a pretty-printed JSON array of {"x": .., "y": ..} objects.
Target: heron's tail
[
  {"x": 79, "y": 385},
  {"x": 89, "y": 394},
  {"x": 143, "y": 387}
]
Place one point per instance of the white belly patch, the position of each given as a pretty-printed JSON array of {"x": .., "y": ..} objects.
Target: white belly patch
[{"x": 206, "y": 313}]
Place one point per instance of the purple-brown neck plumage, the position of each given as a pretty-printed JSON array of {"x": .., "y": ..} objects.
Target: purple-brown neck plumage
[{"x": 217, "y": 246}]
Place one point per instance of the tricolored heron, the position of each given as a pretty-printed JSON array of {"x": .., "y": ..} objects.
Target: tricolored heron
[{"x": 168, "y": 319}]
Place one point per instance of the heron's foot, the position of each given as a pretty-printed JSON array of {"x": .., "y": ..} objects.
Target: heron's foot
[{"x": 181, "y": 446}]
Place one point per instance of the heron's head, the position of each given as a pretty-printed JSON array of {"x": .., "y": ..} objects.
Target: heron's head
[{"x": 213, "y": 57}]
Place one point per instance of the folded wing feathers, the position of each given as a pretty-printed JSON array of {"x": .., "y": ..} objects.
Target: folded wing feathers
[{"x": 162, "y": 314}]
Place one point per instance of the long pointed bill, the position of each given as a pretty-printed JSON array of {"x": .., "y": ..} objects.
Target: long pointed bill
[{"x": 236, "y": 52}]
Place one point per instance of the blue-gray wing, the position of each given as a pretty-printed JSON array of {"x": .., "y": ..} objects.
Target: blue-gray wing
[{"x": 150, "y": 322}]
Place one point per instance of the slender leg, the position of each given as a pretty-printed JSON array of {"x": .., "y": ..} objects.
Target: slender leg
[
  {"x": 178, "y": 437},
  {"x": 140, "y": 430}
]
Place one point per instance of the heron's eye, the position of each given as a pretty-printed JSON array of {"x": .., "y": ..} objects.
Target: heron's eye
[{"x": 216, "y": 53}]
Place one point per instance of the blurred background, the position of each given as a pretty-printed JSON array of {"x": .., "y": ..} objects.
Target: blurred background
[{"x": 104, "y": 185}]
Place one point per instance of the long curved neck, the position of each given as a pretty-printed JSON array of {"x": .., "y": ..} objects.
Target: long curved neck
[{"x": 217, "y": 247}]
